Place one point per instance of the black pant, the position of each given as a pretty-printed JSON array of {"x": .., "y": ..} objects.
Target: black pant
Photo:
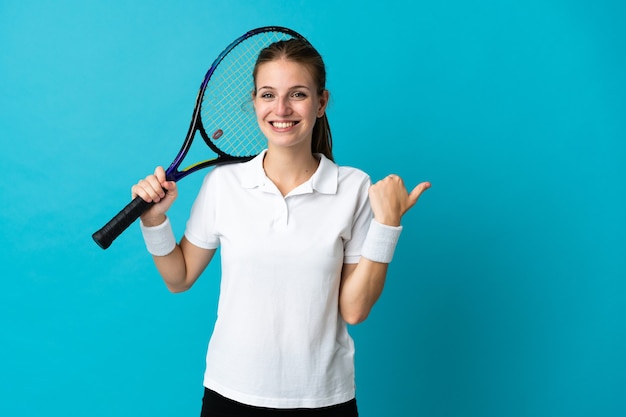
[{"x": 215, "y": 405}]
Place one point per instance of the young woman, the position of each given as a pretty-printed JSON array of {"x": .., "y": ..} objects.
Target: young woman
[{"x": 304, "y": 245}]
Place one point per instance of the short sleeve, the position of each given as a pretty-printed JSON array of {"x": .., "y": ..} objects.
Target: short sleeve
[
  {"x": 360, "y": 224},
  {"x": 201, "y": 225}
]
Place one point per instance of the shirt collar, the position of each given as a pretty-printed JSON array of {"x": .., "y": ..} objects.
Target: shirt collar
[{"x": 324, "y": 179}]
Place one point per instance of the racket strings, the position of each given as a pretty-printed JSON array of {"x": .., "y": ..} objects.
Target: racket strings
[{"x": 227, "y": 111}]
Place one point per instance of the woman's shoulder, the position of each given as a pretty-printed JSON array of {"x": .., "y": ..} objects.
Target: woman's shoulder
[
  {"x": 220, "y": 174},
  {"x": 347, "y": 172},
  {"x": 351, "y": 170},
  {"x": 342, "y": 174},
  {"x": 236, "y": 168}
]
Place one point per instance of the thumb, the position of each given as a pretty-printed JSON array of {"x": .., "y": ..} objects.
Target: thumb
[
  {"x": 417, "y": 192},
  {"x": 159, "y": 173}
]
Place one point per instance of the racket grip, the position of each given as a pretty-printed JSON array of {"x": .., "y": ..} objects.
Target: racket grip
[{"x": 116, "y": 226}]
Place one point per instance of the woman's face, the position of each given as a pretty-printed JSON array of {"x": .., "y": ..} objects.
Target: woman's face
[{"x": 287, "y": 103}]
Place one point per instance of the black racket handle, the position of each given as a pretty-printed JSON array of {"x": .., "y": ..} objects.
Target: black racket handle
[{"x": 116, "y": 226}]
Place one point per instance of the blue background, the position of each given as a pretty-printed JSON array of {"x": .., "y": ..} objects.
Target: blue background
[{"x": 507, "y": 295}]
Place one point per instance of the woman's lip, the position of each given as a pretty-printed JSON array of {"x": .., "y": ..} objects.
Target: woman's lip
[{"x": 283, "y": 124}]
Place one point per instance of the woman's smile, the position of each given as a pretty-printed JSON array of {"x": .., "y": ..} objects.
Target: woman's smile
[{"x": 283, "y": 125}]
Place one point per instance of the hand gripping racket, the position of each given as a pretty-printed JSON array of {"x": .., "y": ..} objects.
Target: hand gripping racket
[{"x": 223, "y": 116}]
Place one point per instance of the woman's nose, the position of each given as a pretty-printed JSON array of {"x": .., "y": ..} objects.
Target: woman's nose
[{"x": 282, "y": 106}]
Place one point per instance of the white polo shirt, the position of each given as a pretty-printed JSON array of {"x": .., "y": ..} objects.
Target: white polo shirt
[{"x": 279, "y": 340}]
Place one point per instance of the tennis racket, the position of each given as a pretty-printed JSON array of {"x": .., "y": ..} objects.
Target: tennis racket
[{"x": 223, "y": 116}]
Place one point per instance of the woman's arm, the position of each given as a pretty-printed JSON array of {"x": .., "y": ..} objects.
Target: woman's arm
[
  {"x": 183, "y": 266},
  {"x": 182, "y": 263},
  {"x": 362, "y": 283}
]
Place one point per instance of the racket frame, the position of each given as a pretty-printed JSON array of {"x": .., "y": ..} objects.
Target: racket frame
[
  {"x": 172, "y": 173},
  {"x": 129, "y": 214}
]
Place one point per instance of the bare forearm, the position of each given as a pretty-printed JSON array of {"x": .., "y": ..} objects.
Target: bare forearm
[
  {"x": 362, "y": 285},
  {"x": 173, "y": 270},
  {"x": 182, "y": 267}
]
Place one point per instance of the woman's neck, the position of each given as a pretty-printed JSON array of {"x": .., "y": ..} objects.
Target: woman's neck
[{"x": 288, "y": 169}]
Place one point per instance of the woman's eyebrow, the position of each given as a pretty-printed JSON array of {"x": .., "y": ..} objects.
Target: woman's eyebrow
[{"x": 295, "y": 87}]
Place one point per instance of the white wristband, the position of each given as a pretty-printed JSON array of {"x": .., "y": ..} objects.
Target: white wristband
[
  {"x": 160, "y": 240},
  {"x": 380, "y": 242}
]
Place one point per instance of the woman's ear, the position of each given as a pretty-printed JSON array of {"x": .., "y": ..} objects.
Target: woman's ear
[{"x": 324, "y": 97}]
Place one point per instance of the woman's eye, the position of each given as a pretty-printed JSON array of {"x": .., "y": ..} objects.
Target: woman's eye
[
  {"x": 267, "y": 96},
  {"x": 298, "y": 94}
]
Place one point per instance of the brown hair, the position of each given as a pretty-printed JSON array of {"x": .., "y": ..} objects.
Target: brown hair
[{"x": 302, "y": 52}]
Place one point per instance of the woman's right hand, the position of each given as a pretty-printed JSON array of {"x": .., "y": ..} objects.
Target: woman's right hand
[{"x": 155, "y": 189}]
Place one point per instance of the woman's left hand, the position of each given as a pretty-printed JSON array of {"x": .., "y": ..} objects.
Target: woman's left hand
[{"x": 390, "y": 199}]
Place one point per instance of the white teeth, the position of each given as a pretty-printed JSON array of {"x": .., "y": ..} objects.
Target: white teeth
[{"x": 283, "y": 125}]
